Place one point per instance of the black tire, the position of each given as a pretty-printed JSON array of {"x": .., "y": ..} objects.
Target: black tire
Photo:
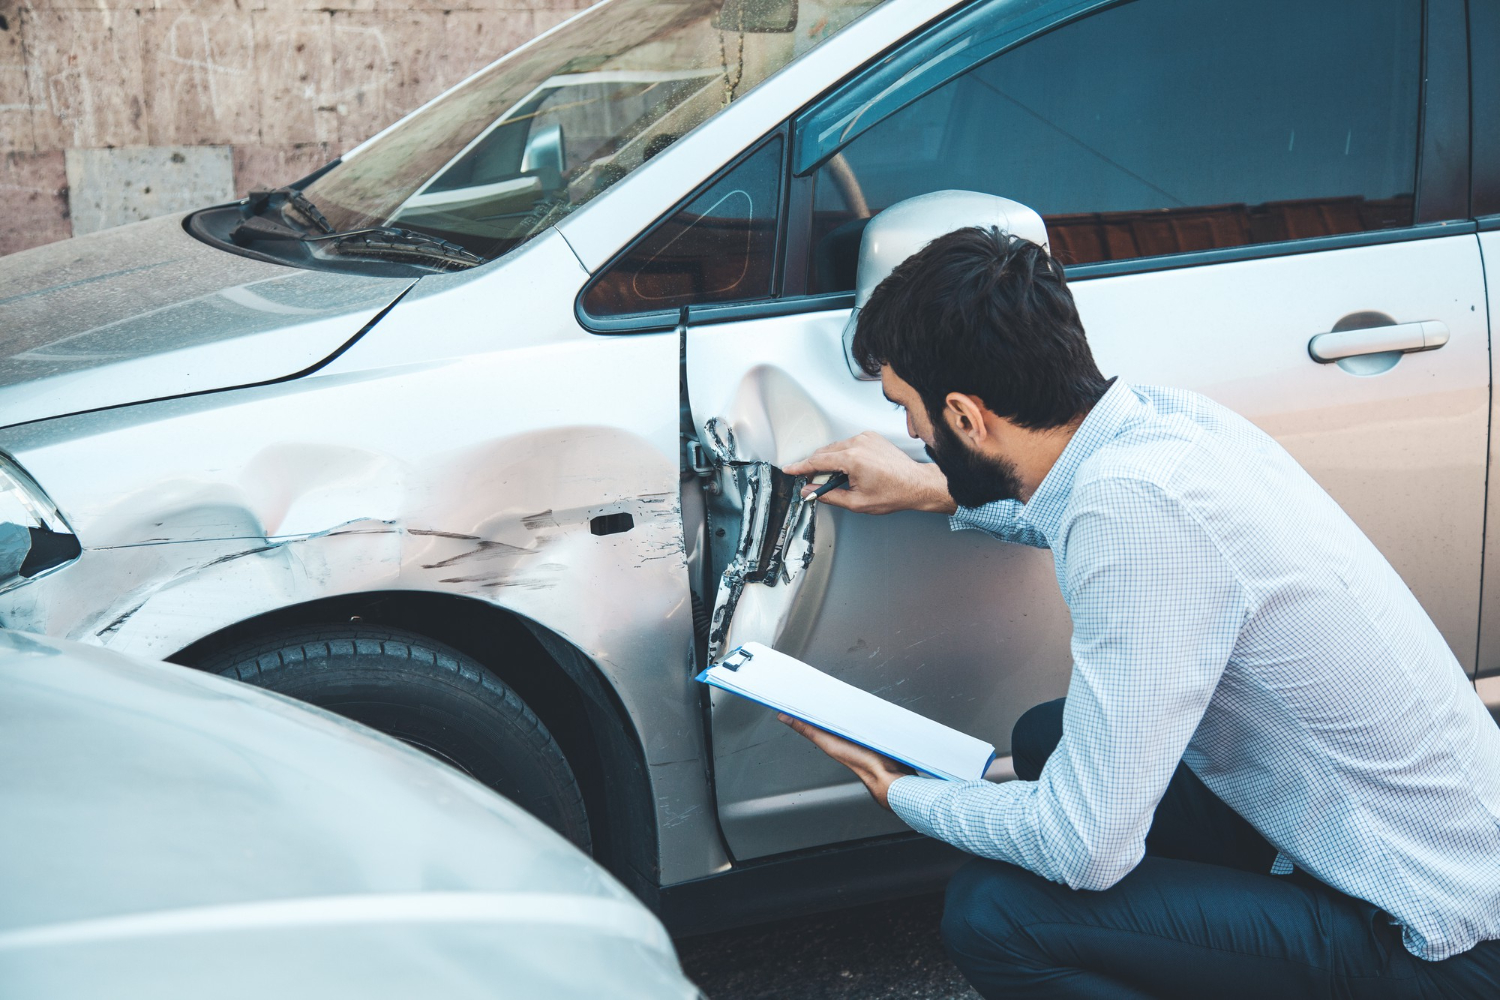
[{"x": 425, "y": 694}]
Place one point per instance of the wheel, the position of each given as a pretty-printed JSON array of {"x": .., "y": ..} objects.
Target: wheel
[{"x": 425, "y": 694}]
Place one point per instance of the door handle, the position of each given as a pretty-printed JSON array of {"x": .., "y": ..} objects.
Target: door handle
[{"x": 1428, "y": 335}]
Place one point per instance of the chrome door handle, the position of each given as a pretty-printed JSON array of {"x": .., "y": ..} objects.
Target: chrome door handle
[{"x": 1428, "y": 335}]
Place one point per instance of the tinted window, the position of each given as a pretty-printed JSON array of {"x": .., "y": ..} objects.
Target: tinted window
[
  {"x": 1484, "y": 49},
  {"x": 1158, "y": 127},
  {"x": 720, "y": 248}
]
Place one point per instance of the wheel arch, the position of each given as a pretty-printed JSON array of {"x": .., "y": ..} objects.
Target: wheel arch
[{"x": 558, "y": 681}]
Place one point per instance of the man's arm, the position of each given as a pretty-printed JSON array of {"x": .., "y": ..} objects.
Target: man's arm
[
  {"x": 882, "y": 479},
  {"x": 1156, "y": 612}
]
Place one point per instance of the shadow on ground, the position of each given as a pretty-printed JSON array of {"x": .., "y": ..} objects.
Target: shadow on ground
[{"x": 885, "y": 950}]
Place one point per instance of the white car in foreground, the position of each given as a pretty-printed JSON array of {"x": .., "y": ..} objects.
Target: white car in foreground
[{"x": 169, "y": 833}]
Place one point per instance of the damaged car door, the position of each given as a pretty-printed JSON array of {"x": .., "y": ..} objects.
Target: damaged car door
[{"x": 948, "y": 624}]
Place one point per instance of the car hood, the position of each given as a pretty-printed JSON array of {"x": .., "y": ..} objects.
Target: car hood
[
  {"x": 168, "y": 832},
  {"x": 146, "y": 310}
]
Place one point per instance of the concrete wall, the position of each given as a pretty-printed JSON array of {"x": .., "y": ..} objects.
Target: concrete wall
[{"x": 117, "y": 110}]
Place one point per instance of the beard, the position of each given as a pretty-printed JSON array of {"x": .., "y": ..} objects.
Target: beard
[{"x": 974, "y": 479}]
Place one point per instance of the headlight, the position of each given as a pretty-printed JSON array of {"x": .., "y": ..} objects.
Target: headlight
[{"x": 34, "y": 537}]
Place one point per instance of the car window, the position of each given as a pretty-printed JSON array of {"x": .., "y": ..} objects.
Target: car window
[
  {"x": 1484, "y": 49},
  {"x": 1159, "y": 127},
  {"x": 721, "y": 247}
]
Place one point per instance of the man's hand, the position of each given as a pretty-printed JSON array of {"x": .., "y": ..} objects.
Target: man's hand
[
  {"x": 881, "y": 478},
  {"x": 877, "y": 771}
]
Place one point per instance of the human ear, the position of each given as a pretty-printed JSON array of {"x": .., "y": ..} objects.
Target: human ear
[{"x": 965, "y": 415}]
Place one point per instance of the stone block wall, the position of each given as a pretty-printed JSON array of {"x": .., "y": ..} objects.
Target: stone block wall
[{"x": 118, "y": 110}]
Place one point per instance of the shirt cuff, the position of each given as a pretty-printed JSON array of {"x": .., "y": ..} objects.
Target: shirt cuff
[
  {"x": 996, "y": 518},
  {"x": 966, "y": 518},
  {"x": 912, "y": 798}
]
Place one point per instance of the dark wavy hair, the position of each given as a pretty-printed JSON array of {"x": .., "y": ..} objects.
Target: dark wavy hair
[{"x": 987, "y": 314}]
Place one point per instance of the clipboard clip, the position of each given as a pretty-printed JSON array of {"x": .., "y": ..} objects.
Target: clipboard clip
[{"x": 738, "y": 657}]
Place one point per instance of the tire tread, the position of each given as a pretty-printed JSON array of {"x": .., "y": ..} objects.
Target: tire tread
[{"x": 265, "y": 661}]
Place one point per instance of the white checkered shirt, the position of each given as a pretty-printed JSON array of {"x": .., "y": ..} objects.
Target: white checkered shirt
[{"x": 1229, "y": 615}]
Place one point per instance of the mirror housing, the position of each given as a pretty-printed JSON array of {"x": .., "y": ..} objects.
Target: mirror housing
[
  {"x": 545, "y": 156},
  {"x": 907, "y": 226}
]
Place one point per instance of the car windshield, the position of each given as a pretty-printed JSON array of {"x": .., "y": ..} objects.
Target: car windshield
[{"x": 521, "y": 144}]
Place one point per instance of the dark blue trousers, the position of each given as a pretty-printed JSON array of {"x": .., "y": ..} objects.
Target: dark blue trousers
[{"x": 1200, "y": 916}]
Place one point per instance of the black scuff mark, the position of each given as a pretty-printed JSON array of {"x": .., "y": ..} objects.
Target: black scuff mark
[
  {"x": 497, "y": 581},
  {"x": 484, "y": 579},
  {"x": 119, "y": 622},
  {"x": 543, "y": 519},
  {"x": 656, "y": 497},
  {"x": 483, "y": 549},
  {"x": 238, "y": 555},
  {"x": 442, "y": 534}
]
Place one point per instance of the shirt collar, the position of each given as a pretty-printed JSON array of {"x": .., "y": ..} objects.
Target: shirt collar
[{"x": 1045, "y": 508}]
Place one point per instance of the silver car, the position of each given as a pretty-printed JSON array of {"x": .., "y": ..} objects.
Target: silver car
[
  {"x": 475, "y": 434},
  {"x": 172, "y": 834}
]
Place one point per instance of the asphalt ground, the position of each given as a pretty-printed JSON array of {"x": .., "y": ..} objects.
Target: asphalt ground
[{"x": 883, "y": 950}]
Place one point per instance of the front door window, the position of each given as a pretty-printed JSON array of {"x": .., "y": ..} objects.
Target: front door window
[{"x": 1158, "y": 127}]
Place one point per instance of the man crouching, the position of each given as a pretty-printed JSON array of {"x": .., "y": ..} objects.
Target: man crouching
[{"x": 1270, "y": 776}]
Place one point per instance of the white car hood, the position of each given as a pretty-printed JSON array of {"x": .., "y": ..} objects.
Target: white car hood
[
  {"x": 170, "y": 833},
  {"x": 146, "y": 310}
]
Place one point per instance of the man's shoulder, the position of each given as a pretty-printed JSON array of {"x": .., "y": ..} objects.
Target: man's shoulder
[
  {"x": 1169, "y": 410},
  {"x": 1146, "y": 452},
  {"x": 1170, "y": 433},
  {"x": 1179, "y": 446}
]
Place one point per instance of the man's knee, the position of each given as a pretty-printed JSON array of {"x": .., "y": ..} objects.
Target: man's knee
[
  {"x": 1034, "y": 737},
  {"x": 982, "y": 907},
  {"x": 958, "y": 910}
]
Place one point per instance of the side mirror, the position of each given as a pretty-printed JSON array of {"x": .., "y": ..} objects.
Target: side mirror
[
  {"x": 545, "y": 156},
  {"x": 907, "y": 226},
  {"x": 34, "y": 538}
]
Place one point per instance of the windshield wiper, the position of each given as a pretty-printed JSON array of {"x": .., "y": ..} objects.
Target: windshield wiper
[
  {"x": 287, "y": 197},
  {"x": 387, "y": 242},
  {"x": 399, "y": 244}
]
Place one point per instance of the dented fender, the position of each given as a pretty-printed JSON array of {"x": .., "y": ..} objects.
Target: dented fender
[{"x": 416, "y": 463}]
